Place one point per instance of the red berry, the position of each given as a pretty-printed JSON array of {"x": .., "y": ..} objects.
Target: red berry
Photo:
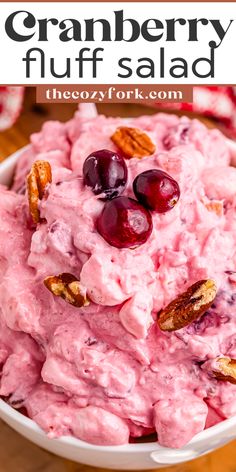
[
  {"x": 124, "y": 223},
  {"x": 156, "y": 190},
  {"x": 105, "y": 172}
]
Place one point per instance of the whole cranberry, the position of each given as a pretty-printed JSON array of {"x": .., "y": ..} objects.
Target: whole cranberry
[
  {"x": 124, "y": 223},
  {"x": 156, "y": 190},
  {"x": 106, "y": 173}
]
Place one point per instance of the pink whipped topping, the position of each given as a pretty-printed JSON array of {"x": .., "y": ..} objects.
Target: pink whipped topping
[{"x": 105, "y": 373}]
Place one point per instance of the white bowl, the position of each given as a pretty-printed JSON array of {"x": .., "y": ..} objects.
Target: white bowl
[{"x": 130, "y": 456}]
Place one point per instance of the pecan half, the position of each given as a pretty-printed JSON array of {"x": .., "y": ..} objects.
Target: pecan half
[
  {"x": 68, "y": 287},
  {"x": 227, "y": 370},
  {"x": 37, "y": 180},
  {"x": 133, "y": 142},
  {"x": 188, "y": 307}
]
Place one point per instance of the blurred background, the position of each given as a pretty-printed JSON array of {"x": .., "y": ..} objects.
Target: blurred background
[{"x": 20, "y": 115}]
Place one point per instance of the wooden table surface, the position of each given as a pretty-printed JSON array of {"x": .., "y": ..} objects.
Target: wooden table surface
[{"x": 16, "y": 453}]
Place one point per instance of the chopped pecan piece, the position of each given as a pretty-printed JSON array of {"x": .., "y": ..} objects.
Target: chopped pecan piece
[
  {"x": 133, "y": 142},
  {"x": 39, "y": 177},
  {"x": 227, "y": 370},
  {"x": 68, "y": 287},
  {"x": 188, "y": 306},
  {"x": 215, "y": 206}
]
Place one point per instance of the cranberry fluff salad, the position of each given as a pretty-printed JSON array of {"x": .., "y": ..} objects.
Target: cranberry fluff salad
[{"x": 118, "y": 279}]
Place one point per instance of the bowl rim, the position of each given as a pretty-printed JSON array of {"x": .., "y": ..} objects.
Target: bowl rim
[
  {"x": 29, "y": 424},
  {"x": 7, "y": 411}
]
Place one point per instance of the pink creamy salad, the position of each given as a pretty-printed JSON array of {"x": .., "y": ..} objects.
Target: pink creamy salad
[{"x": 105, "y": 373}]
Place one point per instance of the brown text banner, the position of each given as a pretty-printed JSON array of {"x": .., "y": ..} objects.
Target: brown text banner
[{"x": 114, "y": 93}]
